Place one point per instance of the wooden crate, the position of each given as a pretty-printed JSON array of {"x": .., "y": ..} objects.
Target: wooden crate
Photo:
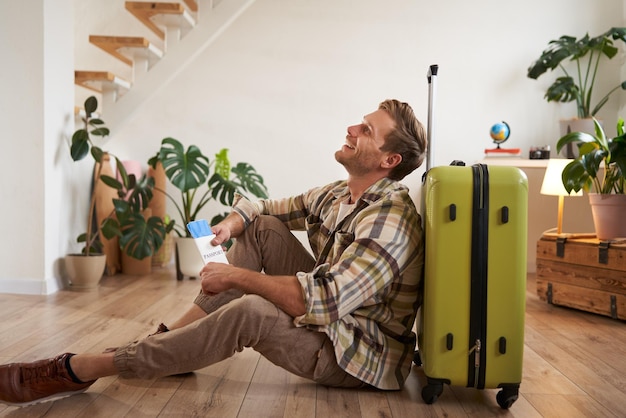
[{"x": 583, "y": 273}]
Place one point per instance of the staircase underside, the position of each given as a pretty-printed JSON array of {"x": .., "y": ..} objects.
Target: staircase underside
[{"x": 187, "y": 28}]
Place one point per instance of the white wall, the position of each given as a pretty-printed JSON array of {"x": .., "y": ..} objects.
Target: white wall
[
  {"x": 35, "y": 98},
  {"x": 281, "y": 85},
  {"x": 278, "y": 88}
]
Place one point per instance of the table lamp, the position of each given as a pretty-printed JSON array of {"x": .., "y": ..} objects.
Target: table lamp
[{"x": 553, "y": 186}]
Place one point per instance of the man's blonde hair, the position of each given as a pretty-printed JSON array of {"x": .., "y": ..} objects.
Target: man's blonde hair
[{"x": 407, "y": 139}]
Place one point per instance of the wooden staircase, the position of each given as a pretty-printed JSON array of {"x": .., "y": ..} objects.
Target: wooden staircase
[
  {"x": 154, "y": 65},
  {"x": 129, "y": 50},
  {"x": 102, "y": 82},
  {"x": 155, "y": 16}
]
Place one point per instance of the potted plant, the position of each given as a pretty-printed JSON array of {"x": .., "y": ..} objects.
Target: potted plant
[
  {"x": 578, "y": 80},
  {"x": 200, "y": 181},
  {"x": 139, "y": 233},
  {"x": 139, "y": 236},
  {"x": 600, "y": 170}
]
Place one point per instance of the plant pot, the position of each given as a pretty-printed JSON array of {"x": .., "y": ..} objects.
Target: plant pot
[
  {"x": 84, "y": 273},
  {"x": 608, "y": 215},
  {"x": 134, "y": 267},
  {"x": 163, "y": 257},
  {"x": 575, "y": 125},
  {"x": 188, "y": 258},
  {"x": 104, "y": 206}
]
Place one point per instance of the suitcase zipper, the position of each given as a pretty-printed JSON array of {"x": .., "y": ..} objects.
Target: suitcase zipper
[
  {"x": 476, "y": 351},
  {"x": 478, "y": 298}
]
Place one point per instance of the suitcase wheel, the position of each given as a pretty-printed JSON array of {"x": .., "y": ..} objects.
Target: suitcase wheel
[
  {"x": 507, "y": 396},
  {"x": 431, "y": 392},
  {"x": 417, "y": 360}
]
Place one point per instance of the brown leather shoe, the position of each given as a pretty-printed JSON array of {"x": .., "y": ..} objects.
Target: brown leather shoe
[
  {"x": 160, "y": 329},
  {"x": 28, "y": 383}
]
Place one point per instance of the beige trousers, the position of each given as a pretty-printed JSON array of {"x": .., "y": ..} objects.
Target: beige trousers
[{"x": 235, "y": 321}]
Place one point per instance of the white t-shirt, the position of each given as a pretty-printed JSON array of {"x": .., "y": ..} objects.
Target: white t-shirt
[{"x": 344, "y": 210}]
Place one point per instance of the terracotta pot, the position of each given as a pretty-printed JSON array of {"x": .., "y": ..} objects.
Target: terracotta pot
[
  {"x": 134, "y": 267},
  {"x": 104, "y": 206},
  {"x": 84, "y": 273},
  {"x": 608, "y": 215}
]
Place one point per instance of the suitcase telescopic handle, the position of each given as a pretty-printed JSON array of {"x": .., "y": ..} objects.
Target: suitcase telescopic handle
[
  {"x": 432, "y": 75},
  {"x": 432, "y": 71}
]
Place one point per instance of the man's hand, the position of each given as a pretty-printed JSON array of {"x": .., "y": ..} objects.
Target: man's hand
[
  {"x": 230, "y": 227},
  {"x": 217, "y": 277},
  {"x": 283, "y": 291},
  {"x": 222, "y": 234}
]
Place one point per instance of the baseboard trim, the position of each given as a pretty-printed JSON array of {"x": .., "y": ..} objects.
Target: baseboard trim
[{"x": 28, "y": 286}]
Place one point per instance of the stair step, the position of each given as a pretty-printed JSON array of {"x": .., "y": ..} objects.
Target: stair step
[
  {"x": 100, "y": 81},
  {"x": 165, "y": 14},
  {"x": 128, "y": 48},
  {"x": 192, "y": 4}
]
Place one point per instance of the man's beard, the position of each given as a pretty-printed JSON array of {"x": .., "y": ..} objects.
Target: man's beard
[{"x": 352, "y": 165}]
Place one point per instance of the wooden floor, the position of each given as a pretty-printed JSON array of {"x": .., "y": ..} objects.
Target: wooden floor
[{"x": 574, "y": 364}]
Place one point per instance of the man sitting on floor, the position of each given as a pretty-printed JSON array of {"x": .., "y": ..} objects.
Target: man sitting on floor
[{"x": 342, "y": 319}]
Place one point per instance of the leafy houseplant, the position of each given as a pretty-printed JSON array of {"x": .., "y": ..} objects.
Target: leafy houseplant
[
  {"x": 190, "y": 170},
  {"x": 586, "y": 53},
  {"x": 601, "y": 168},
  {"x": 585, "y": 171},
  {"x": 139, "y": 237}
]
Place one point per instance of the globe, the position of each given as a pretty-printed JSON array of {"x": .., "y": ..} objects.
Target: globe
[{"x": 500, "y": 132}]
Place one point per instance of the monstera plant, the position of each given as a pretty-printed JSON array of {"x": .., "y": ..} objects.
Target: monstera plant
[
  {"x": 577, "y": 81},
  {"x": 200, "y": 181}
]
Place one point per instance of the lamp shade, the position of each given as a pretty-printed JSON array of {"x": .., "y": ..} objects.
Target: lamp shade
[{"x": 552, "y": 182}]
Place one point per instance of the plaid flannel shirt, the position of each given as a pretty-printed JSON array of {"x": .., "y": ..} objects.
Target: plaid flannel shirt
[{"x": 365, "y": 293}]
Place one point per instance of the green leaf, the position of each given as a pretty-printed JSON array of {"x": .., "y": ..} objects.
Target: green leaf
[
  {"x": 80, "y": 145},
  {"x": 574, "y": 176},
  {"x": 97, "y": 154},
  {"x": 91, "y": 104},
  {"x": 185, "y": 170},
  {"x": 102, "y": 131},
  {"x": 249, "y": 180},
  {"x": 111, "y": 228},
  {"x": 121, "y": 171},
  {"x": 557, "y": 51},
  {"x": 111, "y": 182},
  {"x": 245, "y": 179},
  {"x": 600, "y": 138},
  {"x": 141, "y": 238},
  {"x": 563, "y": 90},
  {"x": 573, "y": 138},
  {"x": 222, "y": 163},
  {"x": 141, "y": 192},
  {"x": 222, "y": 189}
]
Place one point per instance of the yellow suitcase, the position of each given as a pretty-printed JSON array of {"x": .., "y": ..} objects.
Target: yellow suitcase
[{"x": 471, "y": 329}]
